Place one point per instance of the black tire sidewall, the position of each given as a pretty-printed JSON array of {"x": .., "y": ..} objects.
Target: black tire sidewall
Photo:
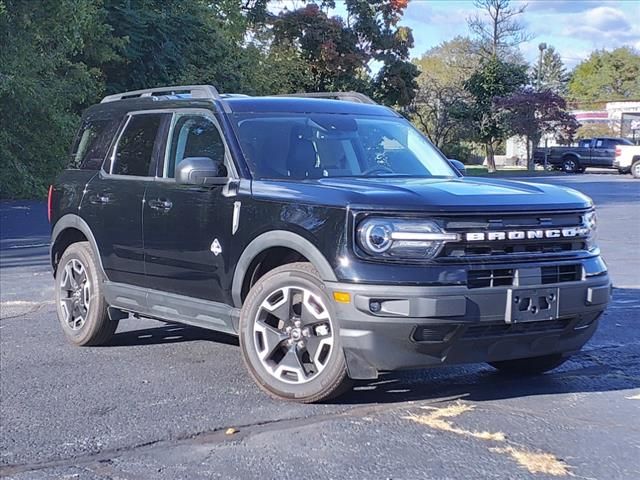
[
  {"x": 97, "y": 313},
  {"x": 333, "y": 374}
]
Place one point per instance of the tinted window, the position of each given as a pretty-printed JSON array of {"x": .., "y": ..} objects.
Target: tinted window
[
  {"x": 135, "y": 149},
  {"x": 194, "y": 136},
  {"x": 92, "y": 143},
  {"x": 300, "y": 146}
]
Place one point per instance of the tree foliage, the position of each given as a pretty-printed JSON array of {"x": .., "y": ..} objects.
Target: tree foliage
[
  {"x": 532, "y": 113},
  {"x": 59, "y": 57},
  {"x": 494, "y": 78},
  {"x": 438, "y": 107},
  {"x": 44, "y": 84},
  {"x": 607, "y": 76},
  {"x": 553, "y": 74}
]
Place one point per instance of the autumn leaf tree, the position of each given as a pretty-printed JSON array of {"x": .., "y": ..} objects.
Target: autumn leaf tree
[{"x": 531, "y": 113}]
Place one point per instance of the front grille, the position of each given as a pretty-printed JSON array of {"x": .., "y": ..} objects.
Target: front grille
[
  {"x": 504, "y": 329},
  {"x": 489, "y": 278},
  {"x": 501, "y": 277},
  {"x": 561, "y": 273},
  {"x": 507, "y": 249}
]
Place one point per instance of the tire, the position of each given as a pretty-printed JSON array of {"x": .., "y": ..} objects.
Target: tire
[
  {"x": 291, "y": 352},
  {"x": 635, "y": 169},
  {"x": 80, "y": 303},
  {"x": 570, "y": 164},
  {"x": 530, "y": 366}
]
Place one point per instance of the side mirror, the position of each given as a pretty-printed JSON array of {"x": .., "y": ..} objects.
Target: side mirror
[
  {"x": 458, "y": 165},
  {"x": 201, "y": 171}
]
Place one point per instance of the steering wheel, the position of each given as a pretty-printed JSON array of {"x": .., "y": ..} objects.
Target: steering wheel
[{"x": 378, "y": 168}]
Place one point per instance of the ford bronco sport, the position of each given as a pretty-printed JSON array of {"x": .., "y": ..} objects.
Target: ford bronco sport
[{"x": 327, "y": 233}]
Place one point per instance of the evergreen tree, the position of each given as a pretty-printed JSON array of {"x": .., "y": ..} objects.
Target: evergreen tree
[{"x": 553, "y": 74}]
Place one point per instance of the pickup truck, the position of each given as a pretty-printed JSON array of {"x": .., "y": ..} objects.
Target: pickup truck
[
  {"x": 590, "y": 152},
  {"x": 628, "y": 159}
]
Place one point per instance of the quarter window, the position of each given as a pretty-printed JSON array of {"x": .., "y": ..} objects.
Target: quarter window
[
  {"x": 92, "y": 143},
  {"x": 194, "y": 136},
  {"x": 135, "y": 149}
]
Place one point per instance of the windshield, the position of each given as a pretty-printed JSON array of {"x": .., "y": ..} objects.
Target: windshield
[{"x": 300, "y": 146}]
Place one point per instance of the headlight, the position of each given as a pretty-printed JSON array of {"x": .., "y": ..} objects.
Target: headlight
[
  {"x": 590, "y": 221},
  {"x": 398, "y": 238}
]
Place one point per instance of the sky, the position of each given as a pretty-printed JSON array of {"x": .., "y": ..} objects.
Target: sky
[{"x": 574, "y": 27}]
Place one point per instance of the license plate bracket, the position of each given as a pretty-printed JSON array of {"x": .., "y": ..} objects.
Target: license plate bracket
[{"x": 531, "y": 304}]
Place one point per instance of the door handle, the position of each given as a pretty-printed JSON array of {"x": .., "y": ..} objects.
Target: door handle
[
  {"x": 159, "y": 204},
  {"x": 100, "y": 199}
]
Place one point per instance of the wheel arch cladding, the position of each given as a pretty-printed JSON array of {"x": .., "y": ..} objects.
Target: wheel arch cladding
[
  {"x": 278, "y": 238},
  {"x": 70, "y": 229}
]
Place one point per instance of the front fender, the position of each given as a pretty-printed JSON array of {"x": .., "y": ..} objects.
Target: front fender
[{"x": 278, "y": 238}]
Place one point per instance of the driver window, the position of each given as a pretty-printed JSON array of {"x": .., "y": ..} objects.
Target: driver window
[{"x": 193, "y": 136}]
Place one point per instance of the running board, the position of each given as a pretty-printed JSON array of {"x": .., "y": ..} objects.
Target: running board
[{"x": 151, "y": 303}]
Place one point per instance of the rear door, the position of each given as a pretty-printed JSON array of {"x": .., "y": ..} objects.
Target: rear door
[
  {"x": 188, "y": 229},
  {"x": 603, "y": 153},
  {"x": 114, "y": 198}
]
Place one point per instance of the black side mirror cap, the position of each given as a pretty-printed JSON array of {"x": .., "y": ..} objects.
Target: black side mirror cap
[
  {"x": 458, "y": 165},
  {"x": 201, "y": 171}
]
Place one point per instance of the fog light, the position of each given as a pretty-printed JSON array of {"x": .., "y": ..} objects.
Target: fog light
[{"x": 375, "y": 306}]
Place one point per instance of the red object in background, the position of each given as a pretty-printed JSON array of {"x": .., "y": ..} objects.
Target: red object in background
[
  {"x": 49, "y": 203},
  {"x": 618, "y": 151}
]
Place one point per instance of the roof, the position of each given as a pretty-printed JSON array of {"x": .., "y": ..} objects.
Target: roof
[
  {"x": 304, "y": 105},
  {"x": 202, "y": 95}
]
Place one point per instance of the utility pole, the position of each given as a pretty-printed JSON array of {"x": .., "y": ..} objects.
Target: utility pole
[{"x": 542, "y": 47}]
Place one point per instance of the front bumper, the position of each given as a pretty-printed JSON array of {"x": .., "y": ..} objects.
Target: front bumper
[{"x": 412, "y": 326}]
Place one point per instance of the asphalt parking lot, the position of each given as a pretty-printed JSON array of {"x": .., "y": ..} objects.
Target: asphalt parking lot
[{"x": 157, "y": 402}]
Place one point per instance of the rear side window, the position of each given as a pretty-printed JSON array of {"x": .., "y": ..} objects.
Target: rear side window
[
  {"x": 92, "y": 143},
  {"x": 136, "y": 147}
]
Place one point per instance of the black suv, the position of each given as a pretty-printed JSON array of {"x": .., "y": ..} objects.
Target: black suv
[{"x": 327, "y": 233}]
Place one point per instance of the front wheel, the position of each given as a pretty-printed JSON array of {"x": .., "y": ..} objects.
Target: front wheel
[
  {"x": 81, "y": 307},
  {"x": 635, "y": 169},
  {"x": 530, "y": 366},
  {"x": 289, "y": 336},
  {"x": 570, "y": 165}
]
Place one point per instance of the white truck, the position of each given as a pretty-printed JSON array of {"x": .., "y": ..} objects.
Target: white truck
[{"x": 628, "y": 159}]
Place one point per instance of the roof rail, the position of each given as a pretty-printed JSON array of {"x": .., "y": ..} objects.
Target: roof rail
[
  {"x": 356, "y": 97},
  {"x": 196, "y": 91}
]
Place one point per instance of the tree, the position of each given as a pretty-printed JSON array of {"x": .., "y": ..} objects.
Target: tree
[
  {"x": 607, "y": 76},
  {"x": 532, "y": 113},
  {"x": 494, "y": 78},
  {"x": 44, "y": 84},
  {"x": 436, "y": 108},
  {"x": 553, "y": 74},
  {"x": 592, "y": 130},
  {"x": 497, "y": 28},
  {"x": 338, "y": 53}
]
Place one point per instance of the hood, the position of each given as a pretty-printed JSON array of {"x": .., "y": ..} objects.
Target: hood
[{"x": 424, "y": 194}]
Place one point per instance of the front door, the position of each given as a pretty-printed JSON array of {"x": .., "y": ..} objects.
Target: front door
[
  {"x": 188, "y": 229},
  {"x": 112, "y": 204}
]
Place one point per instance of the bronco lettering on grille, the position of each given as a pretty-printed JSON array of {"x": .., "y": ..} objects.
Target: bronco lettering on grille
[{"x": 571, "y": 232}]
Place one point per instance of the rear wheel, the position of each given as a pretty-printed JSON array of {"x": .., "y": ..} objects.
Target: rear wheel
[
  {"x": 530, "y": 366},
  {"x": 570, "y": 165},
  {"x": 81, "y": 307},
  {"x": 289, "y": 336},
  {"x": 635, "y": 169}
]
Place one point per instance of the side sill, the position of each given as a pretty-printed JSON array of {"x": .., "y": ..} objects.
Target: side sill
[{"x": 172, "y": 307}]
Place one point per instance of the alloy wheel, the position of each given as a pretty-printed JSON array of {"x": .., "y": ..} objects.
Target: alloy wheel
[
  {"x": 75, "y": 294},
  {"x": 293, "y": 334}
]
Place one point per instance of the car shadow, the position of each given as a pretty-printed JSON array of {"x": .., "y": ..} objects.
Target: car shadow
[{"x": 169, "y": 332}]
